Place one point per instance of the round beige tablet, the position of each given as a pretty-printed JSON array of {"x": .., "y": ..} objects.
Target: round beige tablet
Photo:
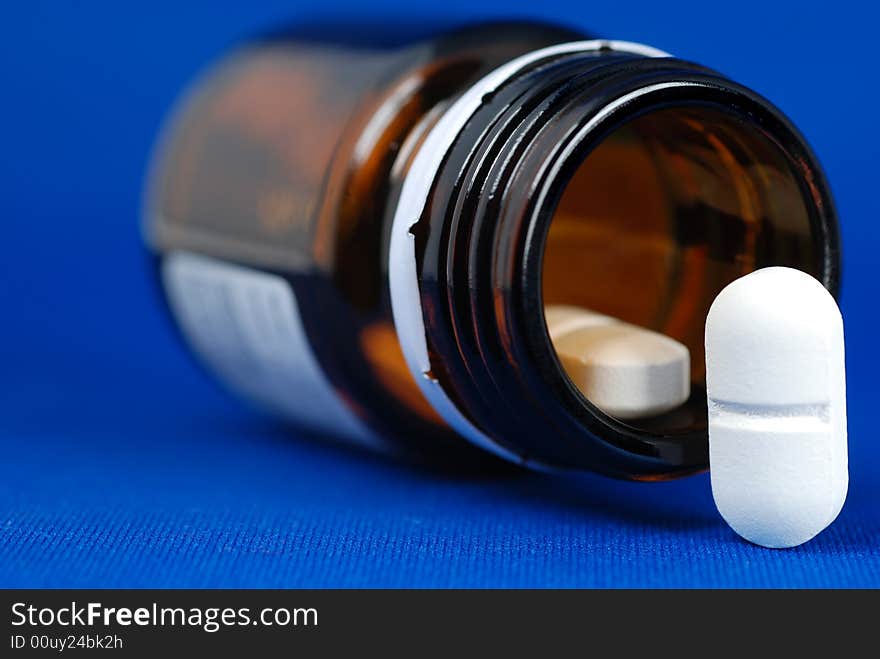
[{"x": 626, "y": 371}]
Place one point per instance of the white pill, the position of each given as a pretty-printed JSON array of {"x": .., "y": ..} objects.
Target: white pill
[
  {"x": 777, "y": 406},
  {"x": 624, "y": 370}
]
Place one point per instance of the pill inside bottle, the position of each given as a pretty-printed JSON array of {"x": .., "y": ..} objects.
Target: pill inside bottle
[{"x": 626, "y": 371}]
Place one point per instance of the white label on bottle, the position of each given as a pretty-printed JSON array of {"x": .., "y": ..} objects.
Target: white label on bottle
[{"x": 246, "y": 326}]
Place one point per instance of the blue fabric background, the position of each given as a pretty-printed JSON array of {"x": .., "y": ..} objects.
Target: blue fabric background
[{"x": 121, "y": 465}]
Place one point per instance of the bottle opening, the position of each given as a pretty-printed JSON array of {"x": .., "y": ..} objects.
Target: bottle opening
[{"x": 660, "y": 216}]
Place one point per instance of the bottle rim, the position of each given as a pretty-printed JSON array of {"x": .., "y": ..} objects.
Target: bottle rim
[{"x": 489, "y": 380}]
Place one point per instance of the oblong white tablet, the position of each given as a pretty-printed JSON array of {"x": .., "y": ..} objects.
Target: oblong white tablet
[{"x": 777, "y": 406}]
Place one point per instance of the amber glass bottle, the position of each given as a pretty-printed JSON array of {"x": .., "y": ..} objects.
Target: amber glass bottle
[{"x": 364, "y": 235}]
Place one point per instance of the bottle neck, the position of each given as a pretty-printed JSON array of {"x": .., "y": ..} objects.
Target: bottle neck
[{"x": 509, "y": 163}]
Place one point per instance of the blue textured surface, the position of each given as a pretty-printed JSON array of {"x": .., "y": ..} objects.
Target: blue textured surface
[{"x": 121, "y": 465}]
